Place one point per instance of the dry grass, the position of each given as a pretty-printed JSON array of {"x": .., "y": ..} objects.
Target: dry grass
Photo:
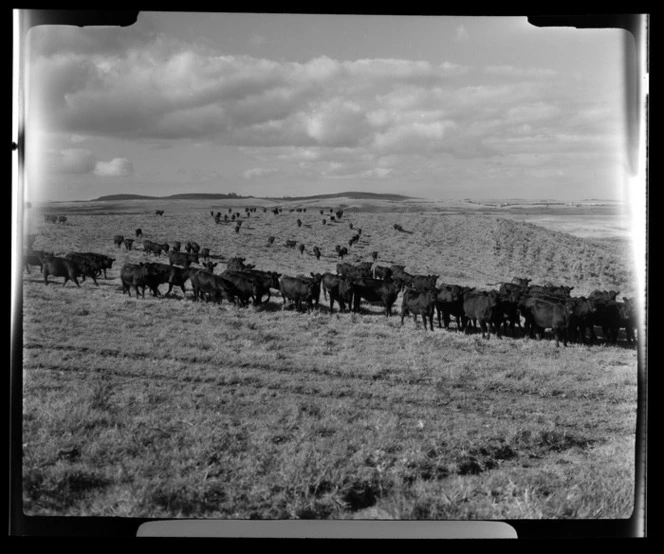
[{"x": 167, "y": 408}]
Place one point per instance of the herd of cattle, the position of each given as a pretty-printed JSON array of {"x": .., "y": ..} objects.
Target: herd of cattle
[{"x": 539, "y": 307}]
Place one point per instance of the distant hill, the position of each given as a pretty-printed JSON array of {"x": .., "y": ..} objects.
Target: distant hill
[{"x": 218, "y": 196}]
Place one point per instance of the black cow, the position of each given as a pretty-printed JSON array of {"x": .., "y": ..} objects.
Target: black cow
[
  {"x": 482, "y": 307},
  {"x": 343, "y": 251},
  {"x": 139, "y": 233},
  {"x": 152, "y": 247},
  {"x": 324, "y": 221},
  {"x": 128, "y": 243},
  {"x": 205, "y": 253},
  {"x": 340, "y": 290},
  {"x": 449, "y": 303},
  {"x": 315, "y": 279},
  {"x": 580, "y": 319},
  {"x": 159, "y": 212},
  {"x": 192, "y": 247},
  {"x": 158, "y": 274},
  {"x": 299, "y": 223},
  {"x": 105, "y": 262},
  {"x": 424, "y": 282},
  {"x": 419, "y": 303},
  {"x": 51, "y": 218},
  {"x": 209, "y": 266},
  {"x": 270, "y": 240},
  {"x": 297, "y": 290},
  {"x": 301, "y": 248},
  {"x": 507, "y": 312},
  {"x": 606, "y": 315},
  {"x": 35, "y": 257},
  {"x": 248, "y": 286},
  {"x": 62, "y": 219},
  {"x": 375, "y": 290},
  {"x": 546, "y": 314},
  {"x": 317, "y": 252},
  {"x": 507, "y": 289},
  {"x": 627, "y": 313},
  {"x": 86, "y": 266},
  {"x": 182, "y": 258},
  {"x": 118, "y": 240},
  {"x": 237, "y": 228},
  {"x": 354, "y": 271},
  {"x": 136, "y": 276},
  {"x": 269, "y": 279},
  {"x": 165, "y": 247},
  {"x": 216, "y": 287},
  {"x": 178, "y": 276},
  {"x": 291, "y": 243},
  {"x": 237, "y": 264},
  {"x": 176, "y": 246},
  {"x": 61, "y": 267}
]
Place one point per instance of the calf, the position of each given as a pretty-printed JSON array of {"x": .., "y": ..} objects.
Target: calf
[
  {"x": 118, "y": 240},
  {"x": 419, "y": 303},
  {"x": 128, "y": 243}
]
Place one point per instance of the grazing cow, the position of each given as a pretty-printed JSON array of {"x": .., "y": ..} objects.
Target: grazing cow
[
  {"x": 546, "y": 314},
  {"x": 343, "y": 251},
  {"x": 247, "y": 285},
  {"x": 61, "y": 267},
  {"x": 87, "y": 266},
  {"x": 340, "y": 290},
  {"x": 324, "y": 221},
  {"x": 139, "y": 233},
  {"x": 269, "y": 280},
  {"x": 136, "y": 276},
  {"x": 182, "y": 258},
  {"x": 424, "y": 282},
  {"x": 449, "y": 303},
  {"x": 339, "y": 213},
  {"x": 128, "y": 243},
  {"x": 270, "y": 240},
  {"x": 375, "y": 290},
  {"x": 299, "y": 223},
  {"x": 212, "y": 286},
  {"x": 105, "y": 262},
  {"x": 297, "y": 290},
  {"x": 374, "y": 255},
  {"x": 35, "y": 257},
  {"x": 301, "y": 248},
  {"x": 159, "y": 212},
  {"x": 419, "y": 303},
  {"x": 481, "y": 307},
  {"x": 350, "y": 225},
  {"x": 205, "y": 253},
  {"x": 118, "y": 240},
  {"x": 291, "y": 243},
  {"x": 153, "y": 247},
  {"x": 354, "y": 271},
  {"x": 398, "y": 227},
  {"x": 317, "y": 252},
  {"x": 315, "y": 279},
  {"x": 62, "y": 219}
]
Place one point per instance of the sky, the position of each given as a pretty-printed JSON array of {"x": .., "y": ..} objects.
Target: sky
[{"x": 436, "y": 107}]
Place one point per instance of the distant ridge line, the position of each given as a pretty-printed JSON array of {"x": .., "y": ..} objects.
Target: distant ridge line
[{"x": 219, "y": 196}]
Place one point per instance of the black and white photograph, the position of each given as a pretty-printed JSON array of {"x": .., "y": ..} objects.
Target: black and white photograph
[{"x": 288, "y": 267}]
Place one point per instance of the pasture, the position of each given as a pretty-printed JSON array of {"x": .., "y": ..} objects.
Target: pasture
[{"x": 163, "y": 407}]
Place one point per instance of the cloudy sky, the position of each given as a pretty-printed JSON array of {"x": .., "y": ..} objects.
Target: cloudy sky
[{"x": 273, "y": 105}]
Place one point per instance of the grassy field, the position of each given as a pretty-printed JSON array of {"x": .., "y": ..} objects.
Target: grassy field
[{"x": 162, "y": 407}]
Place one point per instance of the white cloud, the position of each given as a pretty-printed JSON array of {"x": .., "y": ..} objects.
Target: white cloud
[{"x": 117, "y": 167}]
